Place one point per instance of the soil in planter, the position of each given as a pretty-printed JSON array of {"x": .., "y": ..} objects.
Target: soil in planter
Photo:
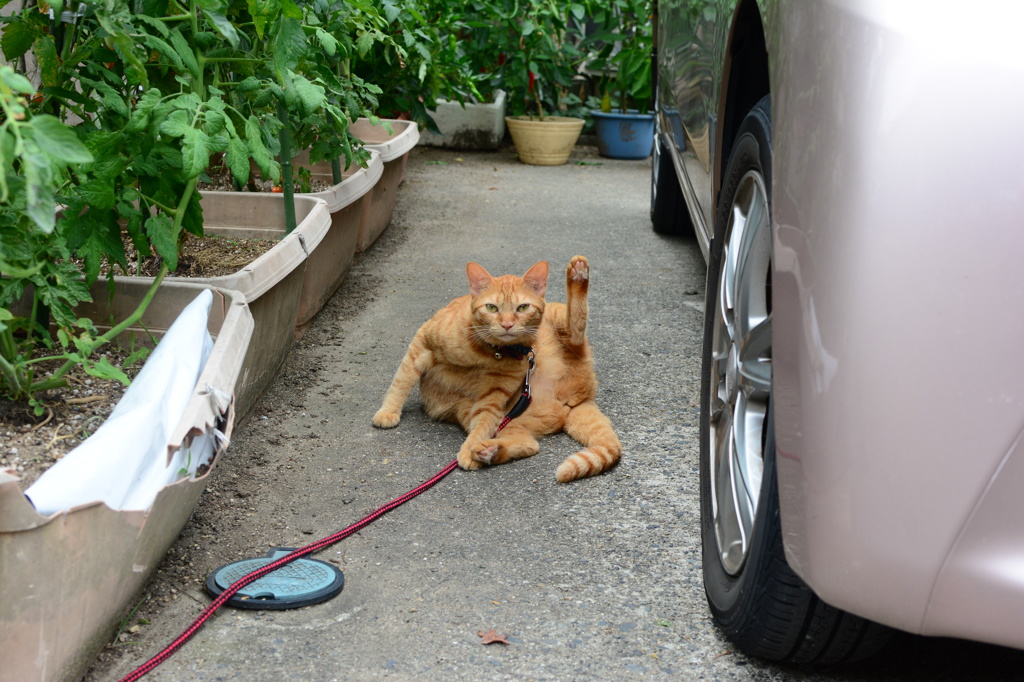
[
  {"x": 221, "y": 180},
  {"x": 30, "y": 444},
  {"x": 209, "y": 256}
]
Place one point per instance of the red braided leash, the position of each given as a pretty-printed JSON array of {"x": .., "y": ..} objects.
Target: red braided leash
[
  {"x": 273, "y": 566},
  {"x": 255, "y": 575}
]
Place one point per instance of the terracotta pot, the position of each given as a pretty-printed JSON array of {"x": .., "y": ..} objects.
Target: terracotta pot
[{"x": 544, "y": 141}]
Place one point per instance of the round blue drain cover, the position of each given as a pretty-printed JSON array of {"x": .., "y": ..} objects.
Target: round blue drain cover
[{"x": 301, "y": 583}]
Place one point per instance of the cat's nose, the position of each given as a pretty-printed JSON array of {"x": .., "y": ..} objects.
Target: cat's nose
[{"x": 507, "y": 325}]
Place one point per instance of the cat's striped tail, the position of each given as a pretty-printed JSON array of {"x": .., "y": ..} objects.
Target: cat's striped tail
[{"x": 602, "y": 449}]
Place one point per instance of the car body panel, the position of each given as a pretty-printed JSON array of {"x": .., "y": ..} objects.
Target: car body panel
[
  {"x": 688, "y": 102},
  {"x": 898, "y": 295}
]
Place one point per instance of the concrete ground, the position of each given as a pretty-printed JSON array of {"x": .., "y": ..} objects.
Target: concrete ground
[{"x": 595, "y": 580}]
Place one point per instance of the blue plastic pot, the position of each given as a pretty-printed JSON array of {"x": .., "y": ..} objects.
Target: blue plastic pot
[{"x": 624, "y": 136}]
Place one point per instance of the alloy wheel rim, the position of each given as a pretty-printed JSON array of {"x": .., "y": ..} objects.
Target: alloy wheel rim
[{"x": 741, "y": 371}]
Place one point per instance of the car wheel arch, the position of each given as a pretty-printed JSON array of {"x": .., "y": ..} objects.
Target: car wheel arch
[{"x": 744, "y": 82}]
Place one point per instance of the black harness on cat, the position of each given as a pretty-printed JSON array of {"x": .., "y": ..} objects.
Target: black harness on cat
[
  {"x": 515, "y": 351},
  {"x": 524, "y": 397}
]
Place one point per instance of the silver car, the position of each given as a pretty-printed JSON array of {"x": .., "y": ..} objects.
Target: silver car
[{"x": 854, "y": 173}]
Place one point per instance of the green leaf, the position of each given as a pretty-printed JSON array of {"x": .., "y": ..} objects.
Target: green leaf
[
  {"x": 187, "y": 101},
  {"x": 164, "y": 49},
  {"x": 64, "y": 94},
  {"x": 327, "y": 41},
  {"x": 37, "y": 169},
  {"x": 261, "y": 12},
  {"x": 109, "y": 96},
  {"x": 59, "y": 141},
  {"x": 238, "y": 159},
  {"x": 49, "y": 65},
  {"x": 15, "y": 81},
  {"x": 102, "y": 369},
  {"x": 141, "y": 354},
  {"x": 146, "y": 16},
  {"x": 98, "y": 192},
  {"x": 289, "y": 45},
  {"x": 214, "y": 11},
  {"x": 134, "y": 68},
  {"x": 177, "y": 124},
  {"x": 214, "y": 121},
  {"x": 391, "y": 10},
  {"x": 192, "y": 221},
  {"x": 160, "y": 231},
  {"x": 363, "y": 43},
  {"x": 258, "y": 151},
  {"x": 95, "y": 236},
  {"x": 311, "y": 96},
  {"x": 17, "y": 39},
  {"x": 186, "y": 53},
  {"x": 291, "y": 10},
  {"x": 195, "y": 153},
  {"x": 140, "y": 116},
  {"x": 249, "y": 84}
]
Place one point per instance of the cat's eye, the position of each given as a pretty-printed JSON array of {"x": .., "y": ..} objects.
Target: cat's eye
[
  {"x": 523, "y": 308},
  {"x": 491, "y": 308}
]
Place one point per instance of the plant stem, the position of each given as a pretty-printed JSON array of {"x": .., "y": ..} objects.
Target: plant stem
[
  {"x": 56, "y": 379},
  {"x": 8, "y": 349},
  {"x": 286, "y": 169},
  {"x": 153, "y": 202}
]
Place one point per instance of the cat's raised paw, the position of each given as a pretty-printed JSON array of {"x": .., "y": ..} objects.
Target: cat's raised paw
[
  {"x": 579, "y": 269},
  {"x": 385, "y": 419}
]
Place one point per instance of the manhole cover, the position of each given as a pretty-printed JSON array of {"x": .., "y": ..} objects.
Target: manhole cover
[{"x": 301, "y": 583}]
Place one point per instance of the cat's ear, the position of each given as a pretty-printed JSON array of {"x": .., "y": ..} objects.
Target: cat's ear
[
  {"x": 537, "y": 277},
  {"x": 479, "y": 279}
]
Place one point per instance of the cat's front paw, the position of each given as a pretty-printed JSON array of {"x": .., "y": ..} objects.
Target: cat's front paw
[
  {"x": 386, "y": 419},
  {"x": 487, "y": 452},
  {"x": 578, "y": 271},
  {"x": 466, "y": 460}
]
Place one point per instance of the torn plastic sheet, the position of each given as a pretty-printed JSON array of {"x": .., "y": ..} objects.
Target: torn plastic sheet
[
  {"x": 125, "y": 463},
  {"x": 68, "y": 578}
]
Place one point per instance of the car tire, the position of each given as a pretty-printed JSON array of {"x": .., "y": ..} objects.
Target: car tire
[
  {"x": 669, "y": 214},
  {"x": 762, "y": 606}
]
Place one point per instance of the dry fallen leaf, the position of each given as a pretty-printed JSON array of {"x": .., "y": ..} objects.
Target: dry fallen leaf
[{"x": 491, "y": 636}]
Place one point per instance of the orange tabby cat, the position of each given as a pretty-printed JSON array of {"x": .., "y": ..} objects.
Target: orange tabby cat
[{"x": 470, "y": 361}]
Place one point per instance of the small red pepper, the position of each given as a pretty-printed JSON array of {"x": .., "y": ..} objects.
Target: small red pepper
[
  {"x": 277, "y": 189},
  {"x": 533, "y": 77}
]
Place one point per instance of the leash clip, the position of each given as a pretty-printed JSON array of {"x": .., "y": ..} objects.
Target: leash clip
[
  {"x": 524, "y": 398},
  {"x": 532, "y": 363}
]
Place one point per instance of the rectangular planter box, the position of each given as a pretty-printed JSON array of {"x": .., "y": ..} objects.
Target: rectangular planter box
[
  {"x": 475, "y": 126},
  {"x": 272, "y": 284},
  {"x": 394, "y": 150},
  {"x": 347, "y": 201},
  {"x": 68, "y": 578}
]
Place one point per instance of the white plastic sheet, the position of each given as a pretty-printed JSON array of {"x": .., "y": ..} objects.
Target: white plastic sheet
[{"x": 124, "y": 463}]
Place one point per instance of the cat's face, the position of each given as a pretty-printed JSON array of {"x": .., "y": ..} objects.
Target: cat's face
[{"x": 507, "y": 310}]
